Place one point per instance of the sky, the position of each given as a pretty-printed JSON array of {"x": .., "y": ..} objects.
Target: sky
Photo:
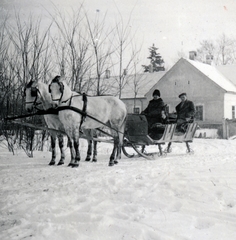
[
  {"x": 177, "y": 197},
  {"x": 172, "y": 25}
]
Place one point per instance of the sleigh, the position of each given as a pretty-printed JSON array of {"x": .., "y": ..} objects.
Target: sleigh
[{"x": 137, "y": 136}]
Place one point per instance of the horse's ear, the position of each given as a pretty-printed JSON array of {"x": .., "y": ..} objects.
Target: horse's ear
[
  {"x": 29, "y": 84},
  {"x": 56, "y": 79}
]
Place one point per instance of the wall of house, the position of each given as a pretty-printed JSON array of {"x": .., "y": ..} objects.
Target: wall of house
[
  {"x": 230, "y": 100},
  {"x": 138, "y": 102},
  {"x": 184, "y": 77}
]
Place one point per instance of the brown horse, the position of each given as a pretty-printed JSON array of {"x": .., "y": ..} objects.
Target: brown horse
[{"x": 100, "y": 111}]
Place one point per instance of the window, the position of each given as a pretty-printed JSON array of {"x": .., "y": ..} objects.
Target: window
[
  {"x": 233, "y": 112},
  {"x": 136, "y": 110},
  {"x": 199, "y": 113}
]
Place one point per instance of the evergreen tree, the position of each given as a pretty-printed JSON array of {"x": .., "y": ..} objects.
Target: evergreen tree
[{"x": 156, "y": 61}]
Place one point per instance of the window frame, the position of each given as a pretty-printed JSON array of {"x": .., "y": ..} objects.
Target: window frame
[{"x": 199, "y": 112}]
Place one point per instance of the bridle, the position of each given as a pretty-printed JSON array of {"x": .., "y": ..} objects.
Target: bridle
[
  {"x": 56, "y": 80},
  {"x": 84, "y": 98},
  {"x": 62, "y": 92},
  {"x": 34, "y": 93}
]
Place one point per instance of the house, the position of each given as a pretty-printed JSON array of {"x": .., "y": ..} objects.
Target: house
[
  {"x": 211, "y": 90},
  {"x": 213, "y": 94}
]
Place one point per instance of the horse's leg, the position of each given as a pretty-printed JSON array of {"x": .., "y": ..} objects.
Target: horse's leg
[
  {"x": 53, "y": 146},
  {"x": 89, "y": 151},
  {"x": 72, "y": 152},
  {"x": 95, "y": 151},
  {"x": 114, "y": 151},
  {"x": 118, "y": 153},
  {"x": 77, "y": 153},
  {"x": 121, "y": 130},
  {"x": 61, "y": 146}
]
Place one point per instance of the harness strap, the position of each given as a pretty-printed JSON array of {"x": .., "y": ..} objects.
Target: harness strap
[
  {"x": 39, "y": 112},
  {"x": 55, "y": 111},
  {"x": 87, "y": 115},
  {"x": 85, "y": 100}
]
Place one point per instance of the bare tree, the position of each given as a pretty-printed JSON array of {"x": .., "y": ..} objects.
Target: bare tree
[
  {"x": 225, "y": 51},
  {"x": 100, "y": 38},
  {"x": 126, "y": 50},
  {"x": 222, "y": 51},
  {"x": 72, "y": 48},
  {"x": 26, "y": 57}
]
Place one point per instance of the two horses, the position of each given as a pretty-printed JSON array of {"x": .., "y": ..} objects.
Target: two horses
[
  {"x": 97, "y": 111},
  {"x": 37, "y": 97}
]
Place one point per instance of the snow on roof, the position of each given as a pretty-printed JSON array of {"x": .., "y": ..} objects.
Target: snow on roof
[
  {"x": 228, "y": 71},
  {"x": 215, "y": 75},
  {"x": 144, "y": 82}
]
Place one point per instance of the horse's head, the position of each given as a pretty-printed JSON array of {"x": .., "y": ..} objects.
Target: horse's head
[
  {"x": 31, "y": 95},
  {"x": 60, "y": 91}
]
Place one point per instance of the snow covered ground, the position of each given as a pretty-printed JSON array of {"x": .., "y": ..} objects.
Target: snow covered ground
[{"x": 177, "y": 197}]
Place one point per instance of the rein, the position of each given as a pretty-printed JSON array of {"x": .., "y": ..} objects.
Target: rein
[
  {"x": 39, "y": 112},
  {"x": 56, "y": 110}
]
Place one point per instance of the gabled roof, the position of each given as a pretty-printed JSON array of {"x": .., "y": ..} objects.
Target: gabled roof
[
  {"x": 144, "y": 82},
  {"x": 141, "y": 83},
  {"x": 216, "y": 76}
]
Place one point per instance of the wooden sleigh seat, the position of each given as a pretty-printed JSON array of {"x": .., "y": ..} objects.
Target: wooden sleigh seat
[{"x": 171, "y": 135}]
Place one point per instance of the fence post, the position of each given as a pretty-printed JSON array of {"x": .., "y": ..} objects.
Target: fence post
[{"x": 225, "y": 129}]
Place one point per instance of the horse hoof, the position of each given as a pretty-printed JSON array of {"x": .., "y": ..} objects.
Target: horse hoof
[
  {"x": 111, "y": 164},
  {"x": 87, "y": 159},
  {"x": 70, "y": 164},
  {"x": 60, "y": 163},
  {"x": 75, "y": 165},
  {"x": 94, "y": 160},
  {"x": 116, "y": 162},
  {"x": 52, "y": 163}
]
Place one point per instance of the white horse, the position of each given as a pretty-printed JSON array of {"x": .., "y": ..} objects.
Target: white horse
[
  {"x": 100, "y": 111},
  {"x": 37, "y": 94}
]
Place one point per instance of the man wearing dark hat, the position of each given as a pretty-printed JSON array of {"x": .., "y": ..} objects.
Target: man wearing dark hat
[
  {"x": 185, "y": 112},
  {"x": 155, "y": 111}
]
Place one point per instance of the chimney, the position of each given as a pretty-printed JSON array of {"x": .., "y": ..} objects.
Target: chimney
[
  {"x": 209, "y": 59},
  {"x": 150, "y": 68},
  {"x": 192, "y": 55},
  {"x": 107, "y": 73}
]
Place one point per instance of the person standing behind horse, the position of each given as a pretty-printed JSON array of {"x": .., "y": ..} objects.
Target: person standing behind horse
[
  {"x": 185, "y": 112},
  {"x": 155, "y": 111}
]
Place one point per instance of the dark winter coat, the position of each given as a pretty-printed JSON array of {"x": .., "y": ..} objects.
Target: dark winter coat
[
  {"x": 153, "y": 111},
  {"x": 185, "y": 110}
]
